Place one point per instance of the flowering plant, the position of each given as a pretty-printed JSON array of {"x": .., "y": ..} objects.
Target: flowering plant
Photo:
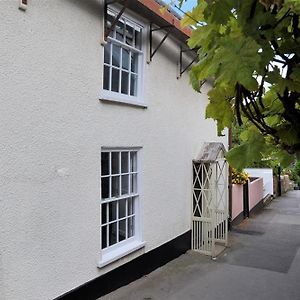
[{"x": 239, "y": 177}]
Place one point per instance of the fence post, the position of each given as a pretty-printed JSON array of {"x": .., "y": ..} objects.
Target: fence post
[{"x": 246, "y": 199}]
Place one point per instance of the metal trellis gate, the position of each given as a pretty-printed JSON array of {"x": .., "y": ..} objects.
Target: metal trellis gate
[{"x": 210, "y": 200}]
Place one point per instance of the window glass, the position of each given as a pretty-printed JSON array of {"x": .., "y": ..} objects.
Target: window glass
[
  {"x": 112, "y": 233},
  {"x": 119, "y": 193},
  {"x": 110, "y": 19},
  {"x": 116, "y": 56},
  {"x": 125, "y": 189},
  {"x": 125, "y": 83},
  {"x": 125, "y": 59},
  {"x": 133, "y": 162},
  {"x": 138, "y": 38},
  {"x": 105, "y": 187},
  {"x": 115, "y": 80},
  {"x": 133, "y": 85},
  {"x": 130, "y": 227},
  {"x": 105, "y": 163},
  {"x": 122, "y": 230},
  {"x": 120, "y": 31},
  {"x": 122, "y": 55},
  {"x": 106, "y": 78},
  {"x": 124, "y": 162},
  {"x": 115, "y": 164},
  {"x": 112, "y": 211},
  {"x": 104, "y": 237},
  {"x": 107, "y": 49},
  {"x": 129, "y": 34},
  {"x": 134, "y": 62},
  {"x": 122, "y": 208},
  {"x": 115, "y": 186}
]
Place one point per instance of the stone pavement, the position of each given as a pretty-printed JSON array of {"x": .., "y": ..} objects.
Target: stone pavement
[{"x": 262, "y": 262}]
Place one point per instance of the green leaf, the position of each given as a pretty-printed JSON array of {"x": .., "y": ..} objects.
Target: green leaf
[
  {"x": 273, "y": 120},
  {"x": 239, "y": 43},
  {"x": 195, "y": 82},
  {"x": 204, "y": 37},
  {"x": 220, "y": 108},
  {"x": 287, "y": 84},
  {"x": 284, "y": 158},
  {"x": 294, "y": 5},
  {"x": 272, "y": 103},
  {"x": 296, "y": 74},
  {"x": 219, "y": 11},
  {"x": 194, "y": 16},
  {"x": 243, "y": 155},
  {"x": 238, "y": 58},
  {"x": 288, "y": 135}
]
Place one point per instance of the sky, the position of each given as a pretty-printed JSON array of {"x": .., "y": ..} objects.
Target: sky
[{"x": 187, "y": 5}]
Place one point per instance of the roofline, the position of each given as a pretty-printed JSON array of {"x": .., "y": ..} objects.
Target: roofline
[{"x": 167, "y": 16}]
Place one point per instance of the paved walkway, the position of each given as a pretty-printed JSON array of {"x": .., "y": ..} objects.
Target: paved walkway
[{"x": 263, "y": 262}]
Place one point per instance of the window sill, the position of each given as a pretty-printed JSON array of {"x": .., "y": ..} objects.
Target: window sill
[
  {"x": 123, "y": 102},
  {"x": 118, "y": 253}
]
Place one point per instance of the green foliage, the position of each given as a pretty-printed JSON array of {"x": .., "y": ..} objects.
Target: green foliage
[
  {"x": 251, "y": 49},
  {"x": 271, "y": 157},
  {"x": 295, "y": 173}
]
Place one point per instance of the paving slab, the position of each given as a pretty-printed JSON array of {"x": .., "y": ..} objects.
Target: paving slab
[{"x": 262, "y": 262}]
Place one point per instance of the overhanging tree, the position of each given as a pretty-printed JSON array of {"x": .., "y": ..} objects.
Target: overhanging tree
[{"x": 251, "y": 50}]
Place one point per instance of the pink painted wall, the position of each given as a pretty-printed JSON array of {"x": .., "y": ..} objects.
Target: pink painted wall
[
  {"x": 237, "y": 200},
  {"x": 256, "y": 192}
]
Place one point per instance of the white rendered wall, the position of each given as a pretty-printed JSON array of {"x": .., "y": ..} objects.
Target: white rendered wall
[
  {"x": 267, "y": 175},
  {"x": 52, "y": 129}
]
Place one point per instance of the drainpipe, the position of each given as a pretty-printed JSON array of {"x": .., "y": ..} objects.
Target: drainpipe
[{"x": 229, "y": 182}]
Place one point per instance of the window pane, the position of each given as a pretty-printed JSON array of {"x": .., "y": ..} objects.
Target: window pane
[
  {"x": 112, "y": 233},
  {"x": 124, "y": 185},
  {"x": 115, "y": 162},
  {"x": 138, "y": 38},
  {"x": 122, "y": 208},
  {"x": 115, "y": 184},
  {"x": 103, "y": 237},
  {"x": 133, "y": 85},
  {"x": 115, "y": 80},
  {"x": 116, "y": 57},
  {"x": 122, "y": 230},
  {"x": 133, "y": 162},
  {"x": 133, "y": 184},
  {"x": 120, "y": 31},
  {"x": 129, "y": 34},
  {"x": 107, "y": 49},
  {"x": 130, "y": 228},
  {"x": 130, "y": 206},
  {"x": 125, "y": 59},
  {"x": 104, "y": 163},
  {"x": 105, "y": 187},
  {"x": 134, "y": 62},
  {"x": 112, "y": 211},
  {"x": 124, "y": 83},
  {"x": 124, "y": 162},
  {"x": 106, "y": 78},
  {"x": 110, "y": 20},
  {"x": 104, "y": 213}
]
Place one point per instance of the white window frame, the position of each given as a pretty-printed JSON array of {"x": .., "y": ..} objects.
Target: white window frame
[
  {"x": 108, "y": 95},
  {"x": 122, "y": 248}
]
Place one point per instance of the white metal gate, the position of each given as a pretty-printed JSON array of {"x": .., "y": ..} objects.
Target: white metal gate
[{"x": 210, "y": 200}]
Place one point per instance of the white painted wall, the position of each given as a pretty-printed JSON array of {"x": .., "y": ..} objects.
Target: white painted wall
[
  {"x": 52, "y": 129},
  {"x": 267, "y": 175}
]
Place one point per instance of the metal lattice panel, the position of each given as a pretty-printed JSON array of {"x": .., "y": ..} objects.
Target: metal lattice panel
[{"x": 210, "y": 200}]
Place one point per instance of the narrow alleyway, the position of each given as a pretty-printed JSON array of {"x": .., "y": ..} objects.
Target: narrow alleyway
[{"x": 263, "y": 262}]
